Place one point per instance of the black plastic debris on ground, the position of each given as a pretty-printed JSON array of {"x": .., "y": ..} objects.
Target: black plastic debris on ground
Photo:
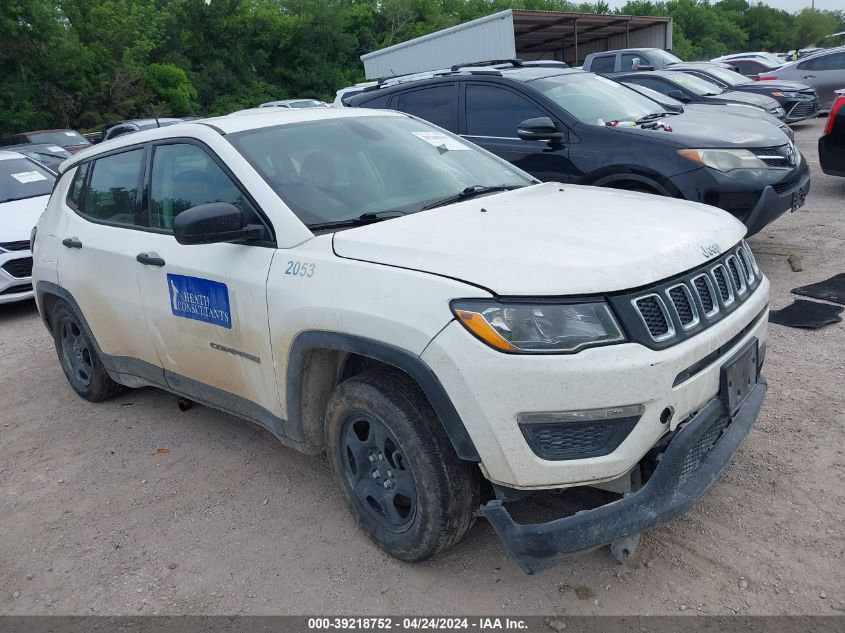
[
  {"x": 832, "y": 289},
  {"x": 806, "y": 314}
]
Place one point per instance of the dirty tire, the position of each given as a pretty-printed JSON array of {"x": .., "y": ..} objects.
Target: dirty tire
[
  {"x": 79, "y": 358},
  {"x": 372, "y": 414}
]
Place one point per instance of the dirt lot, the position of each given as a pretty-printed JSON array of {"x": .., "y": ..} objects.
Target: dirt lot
[{"x": 95, "y": 520}]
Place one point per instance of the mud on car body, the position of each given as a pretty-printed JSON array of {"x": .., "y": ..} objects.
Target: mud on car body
[{"x": 449, "y": 331}]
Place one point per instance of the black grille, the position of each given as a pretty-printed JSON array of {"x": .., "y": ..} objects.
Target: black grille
[
  {"x": 738, "y": 277},
  {"x": 724, "y": 288},
  {"x": 653, "y": 316},
  {"x": 682, "y": 305},
  {"x": 577, "y": 440},
  {"x": 13, "y": 290},
  {"x": 704, "y": 445},
  {"x": 20, "y": 268},
  {"x": 703, "y": 291},
  {"x": 23, "y": 245},
  {"x": 786, "y": 185},
  {"x": 772, "y": 156}
]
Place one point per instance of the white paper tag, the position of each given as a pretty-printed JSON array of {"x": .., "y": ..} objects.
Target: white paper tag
[
  {"x": 70, "y": 133},
  {"x": 56, "y": 149},
  {"x": 440, "y": 140},
  {"x": 28, "y": 176}
]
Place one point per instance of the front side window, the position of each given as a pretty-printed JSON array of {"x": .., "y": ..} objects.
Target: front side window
[
  {"x": 594, "y": 99},
  {"x": 627, "y": 62},
  {"x": 185, "y": 176},
  {"x": 342, "y": 168},
  {"x": 22, "y": 178},
  {"x": 112, "y": 194},
  {"x": 836, "y": 61},
  {"x": 494, "y": 111},
  {"x": 438, "y": 105}
]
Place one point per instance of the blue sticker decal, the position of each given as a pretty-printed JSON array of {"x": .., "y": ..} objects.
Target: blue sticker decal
[{"x": 200, "y": 299}]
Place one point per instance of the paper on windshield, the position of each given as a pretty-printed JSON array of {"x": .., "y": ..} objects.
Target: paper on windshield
[
  {"x": 440, "y": 140},
  {"x": 70, "y": 133},
  {"x": 56, "y": 149},
  {"x": 28, "y": 176}
]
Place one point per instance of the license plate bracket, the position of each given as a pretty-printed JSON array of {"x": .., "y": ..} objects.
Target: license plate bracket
[{"x": 738, "y": 376}]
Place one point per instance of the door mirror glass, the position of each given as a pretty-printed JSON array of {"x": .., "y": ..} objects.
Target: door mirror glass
[
  {"x": 539, "y": 129},
  {"x": 212, "y": 223}
]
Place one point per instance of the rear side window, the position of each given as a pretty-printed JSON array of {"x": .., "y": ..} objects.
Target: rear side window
[
  {"x": 74, "y": 196},
  {"x": 439, "y": 105},
  {"x": 494, "y": 111},
  {"x": 186, "y": 176},
  {"x": 603, "y": 64},
  {"x": 112, "y": 195}
]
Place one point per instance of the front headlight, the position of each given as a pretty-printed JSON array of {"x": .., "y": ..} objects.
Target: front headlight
[
  {"x": 724, "y": 159},
  {"x": 788, "y": 95},
  {"x": 536, "y": 328}
]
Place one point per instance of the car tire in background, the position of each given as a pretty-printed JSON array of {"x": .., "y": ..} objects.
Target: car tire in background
[
  {"x": 400, "y": 477},
  {"x": 79, "y": 358}
]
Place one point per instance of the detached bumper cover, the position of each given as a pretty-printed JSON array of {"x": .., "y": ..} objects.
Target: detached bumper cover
[{"x": 685, "y": 472}]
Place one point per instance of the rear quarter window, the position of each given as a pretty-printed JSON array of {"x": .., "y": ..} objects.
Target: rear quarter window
[{"x": 74, "y": 194}]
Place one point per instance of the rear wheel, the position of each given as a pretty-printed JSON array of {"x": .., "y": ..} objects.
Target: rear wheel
[
  {"x": 79, "y": 359},
  {"x": 399, "y": 475}
]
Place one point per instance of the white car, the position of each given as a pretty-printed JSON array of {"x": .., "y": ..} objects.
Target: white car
[
  {"x": 452, "y": 333},
  {"x": 24, "y": 190}
]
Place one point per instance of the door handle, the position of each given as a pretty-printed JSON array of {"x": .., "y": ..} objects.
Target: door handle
[
  {"x": 148, "y": 259},
  {"x": 72, "y": 242},
  {"x": 808, "y": 77}
]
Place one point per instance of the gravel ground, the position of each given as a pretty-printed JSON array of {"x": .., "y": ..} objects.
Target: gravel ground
[{"x": 96, "y": 519}]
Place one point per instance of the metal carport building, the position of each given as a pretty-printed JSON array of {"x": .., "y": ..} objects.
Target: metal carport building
[{"x": 528, "y": 35}]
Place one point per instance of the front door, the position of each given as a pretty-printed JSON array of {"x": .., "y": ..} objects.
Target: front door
[
  {"x": 493, "y": 114},
  {"x": 206, "y": 304}
]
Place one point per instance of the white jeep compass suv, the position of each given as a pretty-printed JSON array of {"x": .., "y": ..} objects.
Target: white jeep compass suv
[{"x": 450, "y": 332}]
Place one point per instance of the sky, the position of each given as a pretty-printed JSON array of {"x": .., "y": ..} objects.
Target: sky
[{"x": 787, "y": 5}]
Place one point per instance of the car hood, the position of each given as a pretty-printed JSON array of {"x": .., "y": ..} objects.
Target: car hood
[
  {"x": 766, "y": 87},
  {"x": 18, "y": 217},
  {"x": 549, "y": 240},
  {"x": 704, "y": 126},
  {"x": 748, "y": 97}
]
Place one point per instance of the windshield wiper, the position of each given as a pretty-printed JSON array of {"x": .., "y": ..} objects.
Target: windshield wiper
[
  {"x": 471, "y": 192},
  {"x": 361, "y": 220},
  {"x": 656, "y": 115}
]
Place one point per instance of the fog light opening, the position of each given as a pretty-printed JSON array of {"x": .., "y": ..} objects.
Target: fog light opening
[{"x": 666, "y": 415}]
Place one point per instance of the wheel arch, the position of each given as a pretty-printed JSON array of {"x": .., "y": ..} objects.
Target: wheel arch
[
  {"x": 659, "y": 184},
  {"x": 319, "y": 360}
]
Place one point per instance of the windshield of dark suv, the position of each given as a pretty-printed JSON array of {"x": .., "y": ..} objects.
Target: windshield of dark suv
[
  {"x": 370, "y": 167},
  {"x": 21, "y": 178},
  {"x": 594, "y": 99},
  {"x": 728, "y": 76},
  {"x": 63, "y": 138}
]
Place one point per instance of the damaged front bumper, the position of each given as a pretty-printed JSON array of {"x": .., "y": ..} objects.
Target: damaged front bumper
[{"x": 689, "y": 466}]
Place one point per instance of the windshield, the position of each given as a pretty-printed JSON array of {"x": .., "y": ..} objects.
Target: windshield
[
  {"x": 655, "y": 96},
  {"x": 664, "y": 57},
  {"x": 595, "y": 99},
  {"x": 308, "y": 103},
  {"x": 339, "y": 169},
  {"x": 728, "y": 76},
  {"x": 65, "y": 138},
  {"x": 696, "y": 85},
  {"x": 21, "y": 178}
]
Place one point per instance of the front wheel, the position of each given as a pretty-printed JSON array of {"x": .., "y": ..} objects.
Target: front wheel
[
  {"x": 79, "y": 358},
  {"x": 400, "y": 477}
]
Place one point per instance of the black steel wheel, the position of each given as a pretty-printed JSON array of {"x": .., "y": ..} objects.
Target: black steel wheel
[
  {"x": 79, "y": 358},
  {"x": 378, "y": 471},
  {"x": 400, "y": 476}
]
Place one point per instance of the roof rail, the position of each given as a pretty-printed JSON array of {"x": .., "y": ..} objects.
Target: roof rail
[{"x": 490, "y": 62}]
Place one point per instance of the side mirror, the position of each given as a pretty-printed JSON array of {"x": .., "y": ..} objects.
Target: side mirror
[
  {"x": 679, "y": 95},
  {"x": 636, "y": 65},
  {"x": 211, "y": 224},
  {"x": 539, "y": 129}
]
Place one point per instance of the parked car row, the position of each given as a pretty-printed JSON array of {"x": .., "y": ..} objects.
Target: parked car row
[{"x": 566, "y": 125}]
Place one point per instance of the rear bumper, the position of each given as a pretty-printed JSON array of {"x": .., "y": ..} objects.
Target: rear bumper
[
  {"x": 832, "y": 154},
  {"x": 673, "y": 488}
]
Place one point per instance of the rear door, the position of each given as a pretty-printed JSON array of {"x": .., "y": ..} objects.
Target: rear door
[
  {"x": 206, "y": 304},
  {"x": 825, "y": 73},
  {"x": 101, "y": 232},
  {"x": 493, "y": 114}
]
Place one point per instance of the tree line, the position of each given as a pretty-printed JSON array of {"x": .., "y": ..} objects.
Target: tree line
[{"x": 80, "y": 63}]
